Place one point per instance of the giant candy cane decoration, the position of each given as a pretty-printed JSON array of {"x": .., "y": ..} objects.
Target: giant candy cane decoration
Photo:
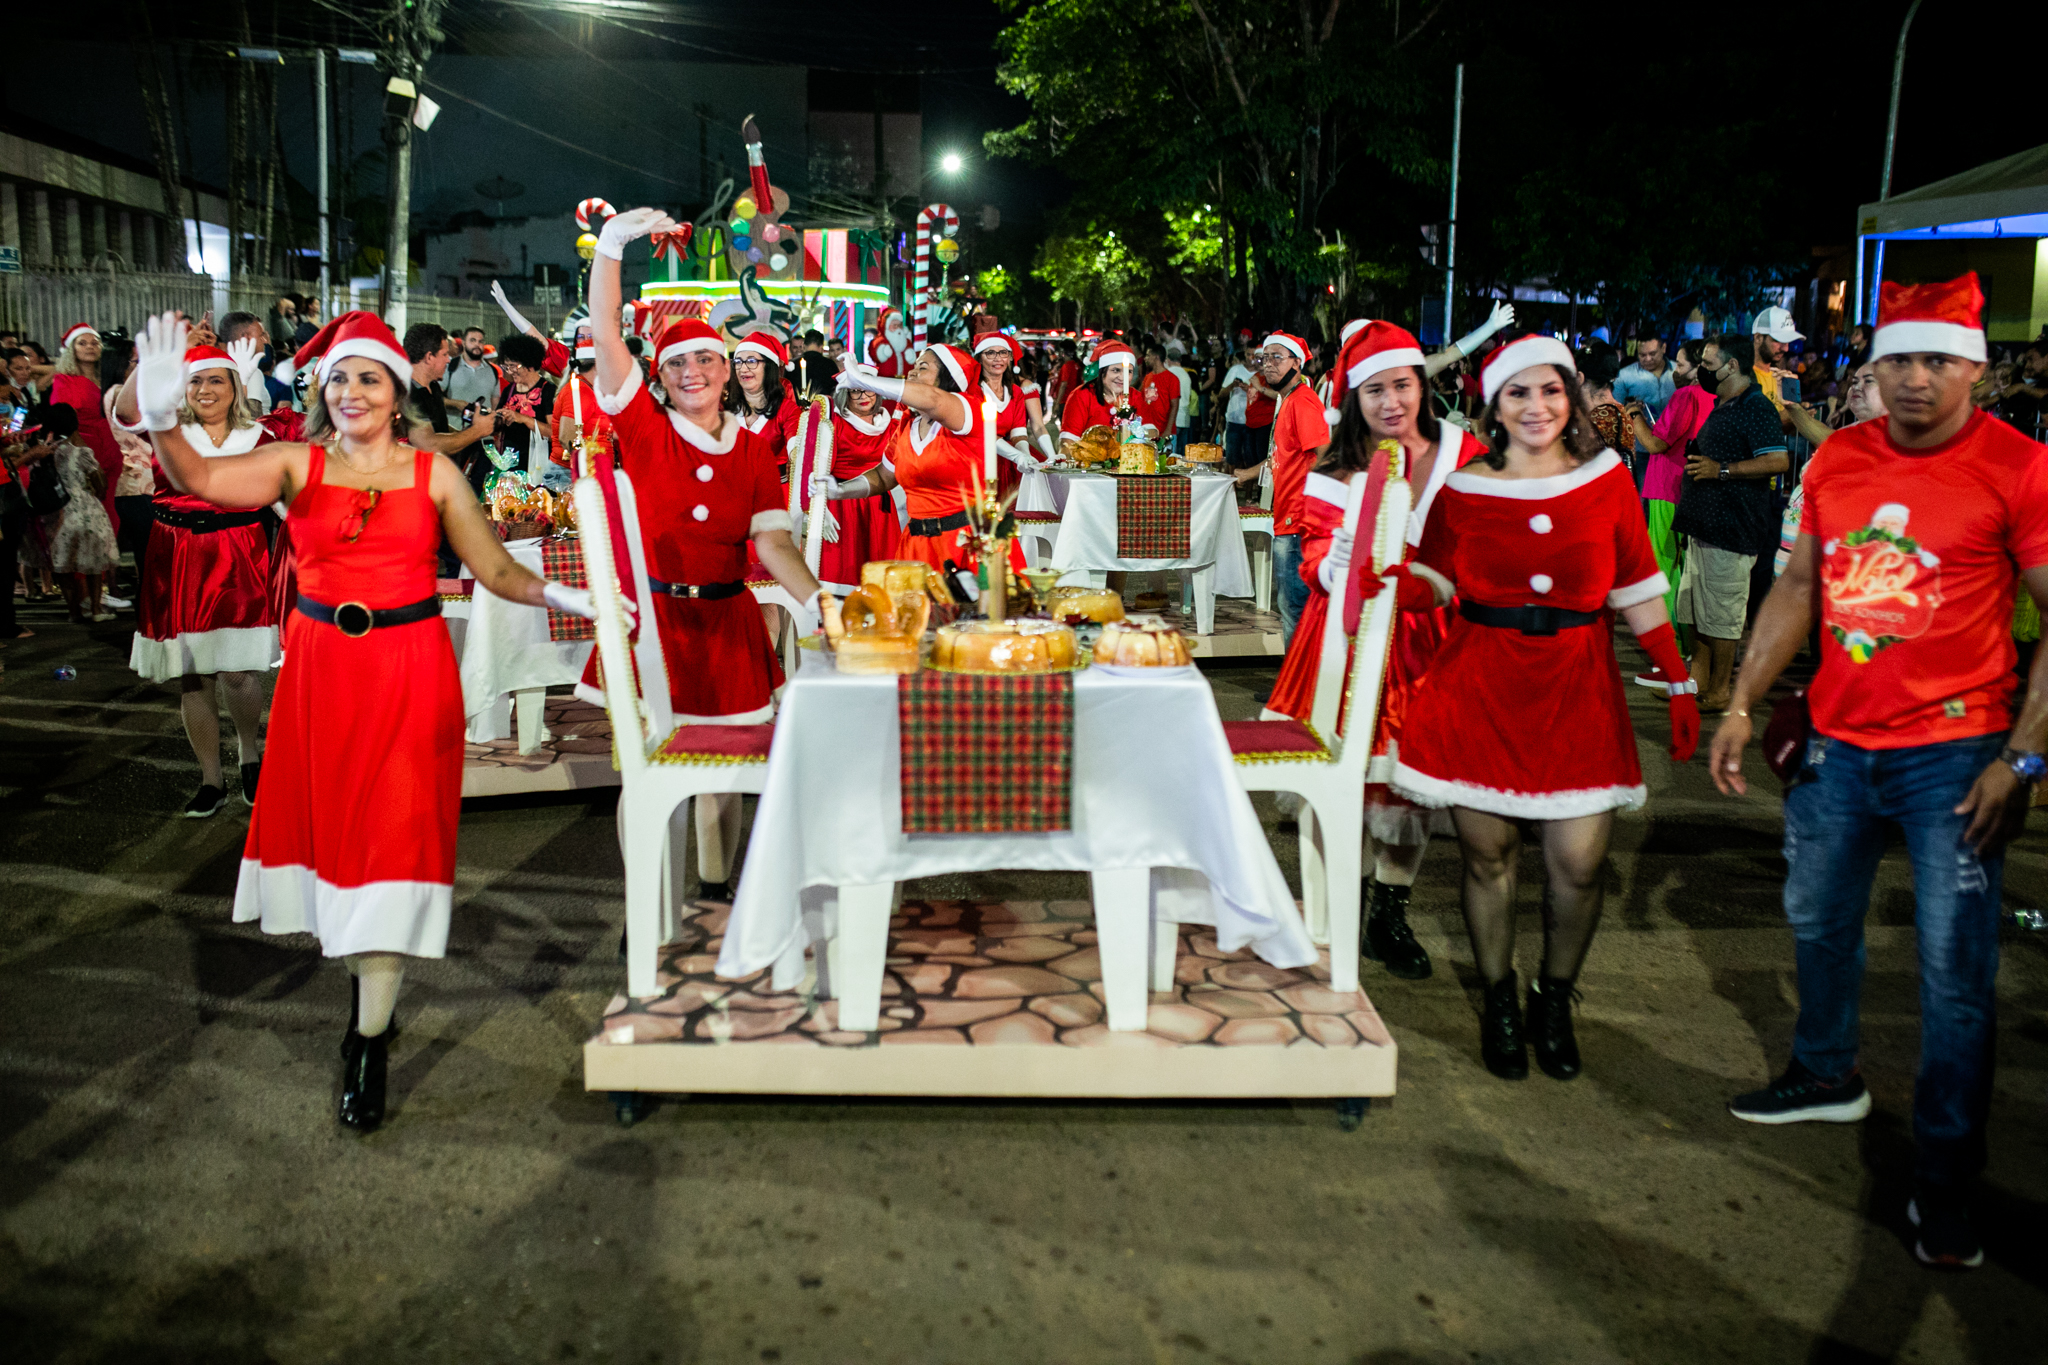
[
  {"x": 591, "y": 206},
  {"x": 934, "y": 221}
]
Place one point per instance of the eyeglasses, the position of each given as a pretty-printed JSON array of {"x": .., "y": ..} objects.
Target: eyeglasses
[
  {"x": 747, "y": 362},
  {"x": 361, "y": 517}
]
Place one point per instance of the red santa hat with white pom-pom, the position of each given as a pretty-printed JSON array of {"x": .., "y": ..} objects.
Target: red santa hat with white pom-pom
[
  {"x": 356, "y": 333},
  {"x": 200, "y": 358},
  {"x": 764, "y": 344},
  {"x": 685, "y": 335},
  {"x": 1291, "y": 344},
  {"x": 1946, "y": 318},
  {"x": 1518, "y": 355}
]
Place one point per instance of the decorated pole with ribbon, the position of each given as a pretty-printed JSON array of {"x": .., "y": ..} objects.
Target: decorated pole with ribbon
[{"x": 934, "y": 221}]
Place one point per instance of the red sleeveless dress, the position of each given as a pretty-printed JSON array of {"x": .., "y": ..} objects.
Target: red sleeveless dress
[{"x": 353, "y": 837}]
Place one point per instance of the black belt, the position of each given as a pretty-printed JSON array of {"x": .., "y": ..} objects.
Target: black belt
[
  {"x": 937, "y": 526},
  {"x": 355, "y": 620},
  {"x": 709, "y": 592},
  {"x": 204, "y": 523},
  {"x": 1528, "y": 620}
]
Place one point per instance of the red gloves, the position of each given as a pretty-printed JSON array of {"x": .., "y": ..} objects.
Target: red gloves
[
  {"x": 1661, "y": 645},
  {"x": 1412, "y": 592}
]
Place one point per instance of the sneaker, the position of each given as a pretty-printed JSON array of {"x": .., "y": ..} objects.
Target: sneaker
[
  {"x": 1799, "y": 1096},
  {"x": 1656, "y": 678},
  {"x": 205, "y": 803},
  {"x": 107, "y": 599},
  {"x": 1946, "y": 1241}
]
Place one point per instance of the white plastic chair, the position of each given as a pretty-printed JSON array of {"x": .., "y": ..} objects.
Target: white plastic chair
[
  {"x": 661, "y": 764},
  {"x": 1329, "y": 774}
]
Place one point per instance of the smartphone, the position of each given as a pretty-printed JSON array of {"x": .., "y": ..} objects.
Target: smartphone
[
  {"x": 17, "y": 421},
  {"x": 1788, "y": 389}
]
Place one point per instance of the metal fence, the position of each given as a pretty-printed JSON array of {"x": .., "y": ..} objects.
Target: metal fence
[{"x": 42, "y": 302}]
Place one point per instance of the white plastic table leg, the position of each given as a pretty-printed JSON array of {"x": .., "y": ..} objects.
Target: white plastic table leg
[
  {"x": 1205, "y": 600},
  {"x": 642, "y": 832},
  {"x": 1315, "y": 883},
  {"x": 855, "y": 969},
  {"x": 1123, "y": 925},
  {"x": 1343, "y": 866},
  {"x": 531, "y": 704},
  {"x": 1165, "y": 948},
  {"x": 1260, "y": 548}
]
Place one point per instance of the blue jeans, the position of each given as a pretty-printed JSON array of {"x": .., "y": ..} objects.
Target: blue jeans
[
  {"x": 1288, "y": 587},
  {"x": 1834, "y": 835}
]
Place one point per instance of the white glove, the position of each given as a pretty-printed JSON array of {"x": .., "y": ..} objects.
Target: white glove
[
  {"x": 248, "y": 357},
  {"x": 891, "y": 389},
  {"x": 160, "y": 370},
  {"x": 1503, "y": 315},
  {"x": 519, "y": 322},
  {"x": 622, "y": 228},
  {"x": 1045, "y": 444},
  {"x": 806, "y": 616},
  {"x": 575, "y": 601},
  {"x": 1017, "y": 456},
  {"x": 823, "y": 485},
  {"x": 1337, "y": 561},
  {"x": 831, "y": 523}
]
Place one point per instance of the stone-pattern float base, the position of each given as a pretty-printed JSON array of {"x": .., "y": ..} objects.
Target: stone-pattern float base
[
  {"x": 995, "y": 999},
  {"x": 578, "y": 754}
]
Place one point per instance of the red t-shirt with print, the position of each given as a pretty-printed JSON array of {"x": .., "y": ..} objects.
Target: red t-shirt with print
[
  {"x": 1920, "y": 552},
  {"x": 1299, "y": 429}
]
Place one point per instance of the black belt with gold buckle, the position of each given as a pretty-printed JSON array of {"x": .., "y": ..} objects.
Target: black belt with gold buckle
[
  {"x": 709, "y": 592},
  {"x": 355, "y": 620}
]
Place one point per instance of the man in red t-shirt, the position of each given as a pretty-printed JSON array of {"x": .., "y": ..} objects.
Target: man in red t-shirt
[
  {"x": 1916, "y": 531},
  {"x": 1158, "y": 396},
  {"x": 1300, "y": 432}
]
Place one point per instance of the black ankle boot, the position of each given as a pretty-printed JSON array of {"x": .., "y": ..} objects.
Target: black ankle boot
[
  {"x": 355, "y": 1018},
  {"x": 1388, "y": 939},
  {"x": 1550, "y": 1026},
  {"x": 362, "y": 1081},
  {"x": 715, "y": 891},
  {"x": 1500, "y": 1031}
]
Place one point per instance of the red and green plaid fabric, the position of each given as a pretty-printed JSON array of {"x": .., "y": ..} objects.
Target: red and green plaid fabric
[
  {"x": 1152, "y": 517},
  {"x": 562, "y": 561},
  {"x": 986, "y": 753}
]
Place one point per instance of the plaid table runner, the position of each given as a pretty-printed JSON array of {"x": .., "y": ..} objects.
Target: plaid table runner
[
  {"x": 986, "y": 753},
  {"x": 562, "y": 561},
  {"x": 1152, "y": 516}
]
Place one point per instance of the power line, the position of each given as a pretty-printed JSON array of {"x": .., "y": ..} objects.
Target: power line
[{"x": 543, "y": 133}]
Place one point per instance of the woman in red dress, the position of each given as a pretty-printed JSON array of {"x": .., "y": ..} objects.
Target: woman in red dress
[
  {"x": 759, "y": 392},
  {"x": 354, "y": 839},
  {"x": 708, "y": 494},
  {"x": 1019, "y": 424},
  {"x": 76, "y": 381},
  {"x": 1105, "y": 401},
  {"x": 1380, "y": 380},
  {"x": 866, "y": 528},
  {"x": 204, "y": 614},
  {"x": 1521, "y": 715}
]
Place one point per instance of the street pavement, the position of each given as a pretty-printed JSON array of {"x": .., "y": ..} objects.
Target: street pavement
[{"x": 173, "y": 1186}]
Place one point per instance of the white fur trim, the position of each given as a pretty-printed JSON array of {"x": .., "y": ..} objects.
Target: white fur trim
[
  {"x": 1941, "y": 338},
  {"x": 1289, "y": 345},
  {"x": 944, "y": 355},
  {"x": 1536, "y": 490},
  {"x": 376, "y": 917},
  {"x": 684, "y": 347},
  {"x": 1445, "y": 589},
  {"x": 1562, "y": 805},
  {"x": 1517, "y": 356},
  {"x": 745, "y": 348},
  {"x": 1400, "y": 357},
  {"x": 240, "y": 440},
  {"x": 612, "y": 404},
  {"x": 234, "y": 649},
  {"x": 1655, "y": 586},
  {"x": 1328, "y": 489},
  {"x": 1117, "y": 357},
  {"x": 872, "y": 426},
  {"x": 394, "y": 361},
  {"x": 777, "y": 520},
  {"x": 212, "y": 362},
  {"x": 1450, "y": 441},
  {"x": 721, "y": 444}
]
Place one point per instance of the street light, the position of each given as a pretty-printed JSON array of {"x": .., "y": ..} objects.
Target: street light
[{"x": 950, "y": 163}]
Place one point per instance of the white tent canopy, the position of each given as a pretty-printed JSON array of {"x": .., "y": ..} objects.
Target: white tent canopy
[{"x": 2003, "y": 198}]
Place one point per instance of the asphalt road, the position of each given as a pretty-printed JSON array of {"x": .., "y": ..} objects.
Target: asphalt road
[{"x": 173, "y": 1186}]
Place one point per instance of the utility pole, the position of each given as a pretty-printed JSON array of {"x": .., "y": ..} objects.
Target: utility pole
[
  {"x": 1891, "y": 137},
  {"x": 413, "y": 33},
  {"x": 320, "y": 127},
  {"x": 1451, "y": 247}
]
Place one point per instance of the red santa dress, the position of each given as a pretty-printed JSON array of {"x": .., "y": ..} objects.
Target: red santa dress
[
  {"x": 205, "y": 603},
  {"x": 95, "y": 432},
  {"x": 1390, "y": 817},
  {"x": 1531, "y": 726},
  {"x": 354, "y": 837},
  {"x": 941, "y": 471},
  {"x": 702, "y": 498},
  {"x": 1085, "y": 410},
  {"x": 868, "y": 528},
  {"x": 283, "y": 425}
]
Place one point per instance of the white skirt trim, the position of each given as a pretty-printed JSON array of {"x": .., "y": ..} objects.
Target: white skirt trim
[
  {"x": 376, "y": 917},
  {"x": 1420, "y": 787},
  {"x": 235, "y": 649}
]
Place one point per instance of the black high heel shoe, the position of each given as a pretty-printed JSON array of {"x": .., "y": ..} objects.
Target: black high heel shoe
[
  {"x": 1550, "y": 1026},
  {"x": 362, "y": 1081},
  {"x": 1500, "y": 1031}
]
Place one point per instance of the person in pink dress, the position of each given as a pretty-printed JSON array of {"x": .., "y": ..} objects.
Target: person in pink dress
[
  {"x": 354, "y": 837},
  {"x": 1521, "y": 716}
]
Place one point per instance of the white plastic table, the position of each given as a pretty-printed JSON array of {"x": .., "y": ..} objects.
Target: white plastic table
[
  {"x": 507, "y": 657},
  {"x": 1216, "y": 563}
]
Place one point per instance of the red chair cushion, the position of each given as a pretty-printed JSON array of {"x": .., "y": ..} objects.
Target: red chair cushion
[
  {"x": 715, "y": 743},
  {"x": 1036, "y": 516},
  {"x": 1269, "y": 738},
  {"x": 455, "y": 587}
]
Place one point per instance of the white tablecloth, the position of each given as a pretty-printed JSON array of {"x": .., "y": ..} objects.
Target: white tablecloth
[
  {"x": 1087, "y": 538},
  {"x": 1154, "y": 786},
  {"x": 506, "y": 649}
]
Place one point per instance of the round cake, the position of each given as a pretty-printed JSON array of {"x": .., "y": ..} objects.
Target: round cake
[
  {"x": 1137, "y": 457},
  {"x": 1203, "y": 452},
  {"x": 1142, "y": 642},
  {"x": 895, "y": 576},
  {"x": 1025, "y": 646},
  {"x": 1095, "y": 604}
]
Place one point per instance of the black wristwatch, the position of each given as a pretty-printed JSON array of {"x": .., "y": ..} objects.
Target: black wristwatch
[
  {"x": 2030, "y": 767},
  {"x": 1724, "y": 471}
]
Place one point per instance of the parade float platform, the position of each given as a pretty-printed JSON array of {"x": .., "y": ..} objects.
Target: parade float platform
[
  {"x": 993, "y": 999},
  {"x": 575, "y": 754}
]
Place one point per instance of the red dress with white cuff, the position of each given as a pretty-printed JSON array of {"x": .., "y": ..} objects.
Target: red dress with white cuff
[
  {"x": 868, "y": 528},
  {"x": 1390, "y": 817},
  {"x": 354, "y": 839},
  {"x": 941, "y": 471},
  {"x": 205, "y": 602},
  {"x": 702, "y": 498},
  {"x": 1531, "y": 726},
  {"x": 1013, "y": 421}
]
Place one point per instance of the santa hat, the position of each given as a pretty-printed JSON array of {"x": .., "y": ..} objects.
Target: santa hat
[
  {"x": 1946, "y": 318},
  {"x": 1518, "y": 355},
  {"x": 764, "y": 344},
  {"x": 75, "y": 331},
  {"x": 683, "y": 336},
  {"x": 1351, "y": 329},
  {"x": 1369, "y": 348},
  {"x": 359, "y": 334},
  {"x": 1293, "y": 345},
  {"x": 209, "y": 358},
  {"x": 957, "y": 362},
  {"x": 1107, "y": 353},
  {"x": 996, "y": 341}
]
